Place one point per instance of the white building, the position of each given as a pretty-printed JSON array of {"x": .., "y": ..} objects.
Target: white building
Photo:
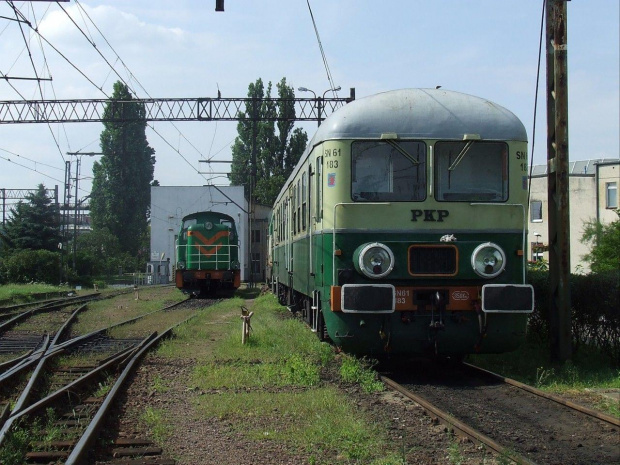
[
  {"x": 593, "y": 195},
  {"x": 169, "y": 204}
]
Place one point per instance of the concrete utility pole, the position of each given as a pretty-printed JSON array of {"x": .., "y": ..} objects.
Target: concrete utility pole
[{"x": 557, "y": 181}]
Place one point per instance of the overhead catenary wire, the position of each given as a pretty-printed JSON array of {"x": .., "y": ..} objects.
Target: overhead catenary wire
[
  {"x": 131, "y": 75},
  {"x": 73, "y": 65},
  {"x": 34, "y": 69},
  {"x": 540, "y": 41},
  {"x": 318, "y": 38}
]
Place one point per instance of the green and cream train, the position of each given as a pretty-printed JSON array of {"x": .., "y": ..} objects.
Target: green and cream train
[{"x": 402, "y": 229}]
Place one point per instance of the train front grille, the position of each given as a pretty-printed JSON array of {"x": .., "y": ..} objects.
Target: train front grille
[{"x": 433, "y": 260}]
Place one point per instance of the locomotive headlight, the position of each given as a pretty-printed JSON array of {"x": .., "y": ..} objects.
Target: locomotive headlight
[
  {"x": 181, "y": 265},
  {"x": 209, "y": 225},
  {"x": 235, "y": 265},
  {"x": 488, "y": 260},
  {"x": 374, "y": 260}
]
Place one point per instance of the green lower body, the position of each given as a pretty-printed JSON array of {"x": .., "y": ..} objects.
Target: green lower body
[{"x": 456, "y": 333}]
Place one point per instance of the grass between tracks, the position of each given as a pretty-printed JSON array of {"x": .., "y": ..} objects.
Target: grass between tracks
[
  {"x": 589, "y": 370},
  {"x": 24, "y": 292},
  {"x": 280, "y": 386}
]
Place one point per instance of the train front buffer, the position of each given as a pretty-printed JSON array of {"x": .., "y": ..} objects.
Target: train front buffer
[{"x": 449, "y": 297}]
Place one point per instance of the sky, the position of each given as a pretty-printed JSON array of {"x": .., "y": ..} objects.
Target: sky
[{"x": 183, "y": 48}]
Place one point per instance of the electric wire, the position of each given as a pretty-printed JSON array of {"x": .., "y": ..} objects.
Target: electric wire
[
  {"x": 36, "y": 74},
  {"x": 30, "y": 160},
  {"x": 540, "y": 41},
  {"x": 131, "y": 75},
  {"x": 31, "y": 169},
  {"x": 318, "y": 38},
  {"x": 61, "y": 54}
]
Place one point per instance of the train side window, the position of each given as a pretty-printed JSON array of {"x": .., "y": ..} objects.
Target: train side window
[
  {"x": 293, "y": 206},
  {"x": 298, "y": 205},
  {"x": 304, "y": 201},
  {"x": 319, "y": 189}
]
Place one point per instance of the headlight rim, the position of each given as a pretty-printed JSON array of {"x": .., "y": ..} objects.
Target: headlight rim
[
  {"x": 369, "y": 273},
  {"x": 478, "y": 250}
]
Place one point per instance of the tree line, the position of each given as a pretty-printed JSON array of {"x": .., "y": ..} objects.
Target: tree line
[{"x": 34, "y": 247}]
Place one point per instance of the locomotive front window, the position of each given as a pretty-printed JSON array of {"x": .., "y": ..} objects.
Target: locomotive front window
[
  {"x": 388, "y": 171},
  {"x": 190, "y": 222},
  {"x": 471, "y": 171}
]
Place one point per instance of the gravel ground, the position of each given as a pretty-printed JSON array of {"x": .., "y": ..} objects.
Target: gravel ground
[{"x": 192, "y": 438}]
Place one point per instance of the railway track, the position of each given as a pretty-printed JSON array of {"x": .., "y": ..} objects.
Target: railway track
[
  {"x": 57, "y": 395},
  {"x": 518, "y": 422}
]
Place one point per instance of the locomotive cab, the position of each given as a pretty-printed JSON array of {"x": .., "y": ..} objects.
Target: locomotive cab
[{"x": 207, "y": 254}]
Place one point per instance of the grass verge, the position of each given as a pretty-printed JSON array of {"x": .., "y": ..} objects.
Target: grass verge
[
  {"x": 282, "y": 385},
  {"x": 24, "y": 292}
]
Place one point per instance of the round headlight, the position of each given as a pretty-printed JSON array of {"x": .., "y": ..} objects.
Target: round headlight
[
  {"x": 234, "y": 265},
  {"x": 181, "y": 265},
  {"x": 488, "y": 260},
  {"x": 374, "y": 260},
  {"x": 209, "y": 225}
]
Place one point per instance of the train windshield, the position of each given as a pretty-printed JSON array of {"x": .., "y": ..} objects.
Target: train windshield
[
  {"x": 388, "y": 171},
  {"x": 471, "y": 171},
  {"x": 188, "y": 223}
]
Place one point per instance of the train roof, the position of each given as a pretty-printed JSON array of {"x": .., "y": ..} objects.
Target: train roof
[
  {"x": 421, "y": 114},
  {"x": 417, "y": 114},
  {"x": 208, "y": 214}
]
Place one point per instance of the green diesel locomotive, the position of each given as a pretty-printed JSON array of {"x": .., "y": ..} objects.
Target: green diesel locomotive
[
  {"x": 402, "y": 229},
  {"x": 207, "y": 254}
]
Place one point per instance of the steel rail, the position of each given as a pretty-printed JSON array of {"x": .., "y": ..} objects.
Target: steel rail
[
  {"x": 458, "y": 425},
  {"x": 60, "y": 392},
  {"x": 567, "y": 403},
  {"x": 43, "y": 360},
  {"x": 66, "y": 325},
  {"x": 80, "y": 450},
  {"x": 4, "y": 366},
  {"x": 26, "y": 362},
  {"x": 49, "y": 351},
  {"x": 46, "y": 307}
]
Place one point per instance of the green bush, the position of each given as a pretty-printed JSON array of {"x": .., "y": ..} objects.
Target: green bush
[
  {"x": 25, "y": 266},
  {"x": 595, "y": 310}
]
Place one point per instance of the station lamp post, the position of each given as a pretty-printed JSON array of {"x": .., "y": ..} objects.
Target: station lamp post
[{"x": 319, "y": 100}]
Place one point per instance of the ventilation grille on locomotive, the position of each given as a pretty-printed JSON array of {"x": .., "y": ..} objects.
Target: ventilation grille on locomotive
[{"x": 433, "y": 260}]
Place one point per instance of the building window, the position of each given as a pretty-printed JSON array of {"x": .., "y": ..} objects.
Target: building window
[
  {"x": 536, "y": 211},
  {"x": 256, "y": 263},
  {"x": 611, "y": 189},
  {"x": 256, "y": 235}
]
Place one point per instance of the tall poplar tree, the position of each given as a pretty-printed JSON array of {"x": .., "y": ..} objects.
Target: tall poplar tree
[
  {"x": 277, "y": 151},
  {"x": 121, "y": 192}
]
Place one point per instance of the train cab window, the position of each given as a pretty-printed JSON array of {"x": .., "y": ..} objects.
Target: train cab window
[
  {"x": 189, "y": 222},
  {"x": 471, "y": 171},
  {"x": 388, "y": 171}
]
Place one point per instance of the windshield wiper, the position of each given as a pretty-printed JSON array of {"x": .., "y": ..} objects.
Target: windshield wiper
[
  {"x": 402, "y": 151},
  {"x": 460, "y": 156}
]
